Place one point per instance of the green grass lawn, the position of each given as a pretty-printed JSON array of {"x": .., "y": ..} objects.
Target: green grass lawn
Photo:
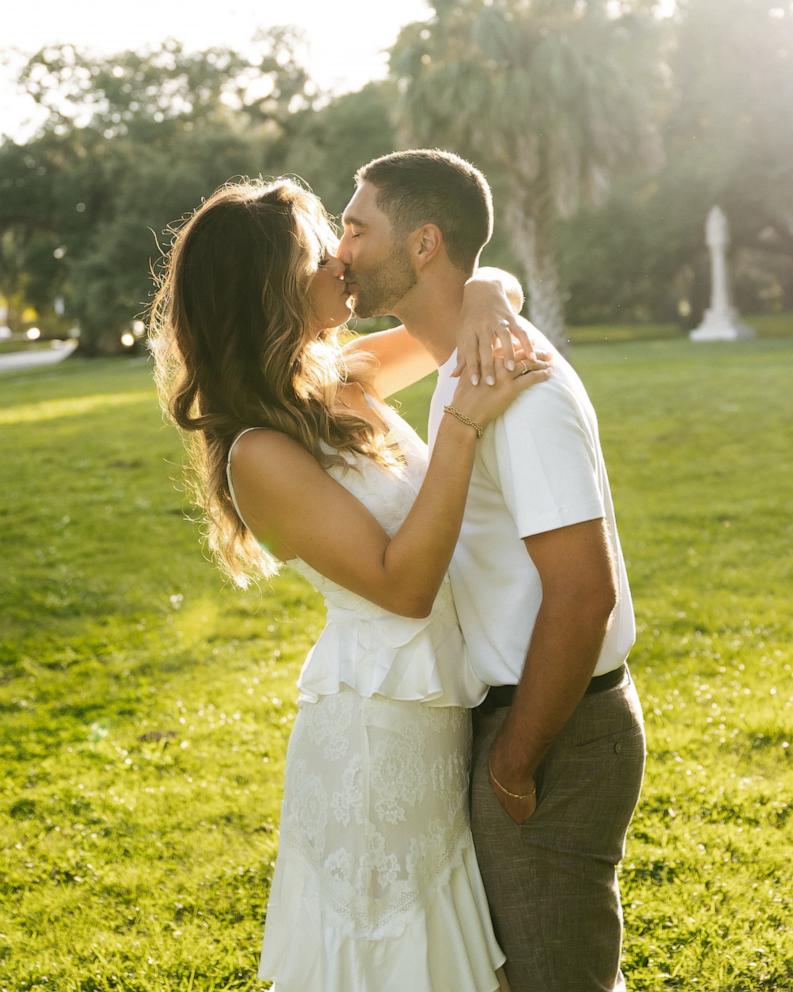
[
  {"x": 765, "y": 326},
  {"x": 15, "y": 346},
  {"x": 146, "y": 705}
]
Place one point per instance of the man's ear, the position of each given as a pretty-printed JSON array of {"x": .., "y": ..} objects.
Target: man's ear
[{"x": 427, "y": 242}]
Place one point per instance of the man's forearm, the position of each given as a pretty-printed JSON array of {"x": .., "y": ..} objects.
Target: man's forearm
[{"x": 561, "y": 658}]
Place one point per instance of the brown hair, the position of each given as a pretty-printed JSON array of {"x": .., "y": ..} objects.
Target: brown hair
[
  {"x": 430, "y": 186},
  {"x": 228, "y": 331}
]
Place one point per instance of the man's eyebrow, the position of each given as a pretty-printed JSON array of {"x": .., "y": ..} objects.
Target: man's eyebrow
[{"x": 348, "y": 219}]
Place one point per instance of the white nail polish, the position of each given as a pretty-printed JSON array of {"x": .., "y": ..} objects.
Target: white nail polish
[
  {"x": 491, "y": 381},
  {"x": 475, "y": 380}
]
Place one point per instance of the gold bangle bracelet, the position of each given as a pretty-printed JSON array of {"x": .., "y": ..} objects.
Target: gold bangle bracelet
[
  {"x": 462, "y": 418},
  {"x": 512, "y": 795}
]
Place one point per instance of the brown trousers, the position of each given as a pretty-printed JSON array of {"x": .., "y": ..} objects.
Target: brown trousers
[{"x": 552, "y": 882}]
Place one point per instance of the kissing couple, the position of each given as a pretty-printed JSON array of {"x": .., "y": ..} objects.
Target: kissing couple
[{"x": 469, "y": 744}]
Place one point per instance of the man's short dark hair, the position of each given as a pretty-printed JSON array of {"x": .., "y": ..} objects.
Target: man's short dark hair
[{"x": 430, "y": 186}]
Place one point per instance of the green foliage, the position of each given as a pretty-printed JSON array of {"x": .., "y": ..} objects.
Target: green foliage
[
  {"x": 549, "y": 98},
  {"x": 725, "y": 142},
  {"x": 326, "y": 148},
  {"x": 135, "y": 91},
  {"x": 84, "y": 205},
  {"x": 564, "y": 104},
  {"x": 146, "y": 705}
]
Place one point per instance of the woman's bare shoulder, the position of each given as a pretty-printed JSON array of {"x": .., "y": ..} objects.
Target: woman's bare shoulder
[
  {"x": 270, "y": 458},
  {"x": 256, "y": 441}
]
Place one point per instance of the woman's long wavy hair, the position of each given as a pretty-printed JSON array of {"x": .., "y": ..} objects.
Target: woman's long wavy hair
[{"x": 230, "y": 331}]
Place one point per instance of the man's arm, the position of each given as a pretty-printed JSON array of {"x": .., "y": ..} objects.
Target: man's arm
[{"x": 579, "y": 594}]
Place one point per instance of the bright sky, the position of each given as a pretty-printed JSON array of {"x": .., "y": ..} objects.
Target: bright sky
[{"x": 346, "y": 41}]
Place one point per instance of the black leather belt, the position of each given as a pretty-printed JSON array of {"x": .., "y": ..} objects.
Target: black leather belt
[{"x": 499, "y": 696}]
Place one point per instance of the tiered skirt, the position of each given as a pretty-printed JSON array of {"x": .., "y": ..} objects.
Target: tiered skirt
[{"x": 376, "y": 886}]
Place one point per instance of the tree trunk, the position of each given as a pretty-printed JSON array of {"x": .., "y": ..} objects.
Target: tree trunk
[{"x": 531, "y": 225}]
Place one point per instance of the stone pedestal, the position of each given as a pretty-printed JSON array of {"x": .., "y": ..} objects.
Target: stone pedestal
[{"x": 721, "y": 321}]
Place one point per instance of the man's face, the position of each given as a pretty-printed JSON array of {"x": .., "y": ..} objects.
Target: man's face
[{"x": 379, "y": 271}]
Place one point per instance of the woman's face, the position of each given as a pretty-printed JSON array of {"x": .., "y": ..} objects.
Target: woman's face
[{"x": 328, "y": 293}]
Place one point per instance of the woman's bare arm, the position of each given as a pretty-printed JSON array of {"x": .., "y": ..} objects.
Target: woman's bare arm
[
  {"x": 294, "y": 506},
  {"x": 402, "y": 359}
]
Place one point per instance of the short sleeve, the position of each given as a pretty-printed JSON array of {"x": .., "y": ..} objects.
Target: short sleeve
[{"x": 547, "y": 459}]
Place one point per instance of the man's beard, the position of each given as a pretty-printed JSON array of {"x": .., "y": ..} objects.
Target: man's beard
[{"x": 381, "y": 292}]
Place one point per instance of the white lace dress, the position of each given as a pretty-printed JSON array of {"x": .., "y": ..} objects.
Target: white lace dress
[{"x": 376, "y": 886}]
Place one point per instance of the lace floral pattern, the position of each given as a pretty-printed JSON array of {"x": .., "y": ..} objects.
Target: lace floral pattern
[
  {"x": 329, "y": 729},
  {"x": 376, "y": 788},
  {"x": 376, "y": 862},
  {"x": 388, "y": 813}
]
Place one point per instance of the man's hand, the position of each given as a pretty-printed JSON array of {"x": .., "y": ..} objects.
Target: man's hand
[{"x": 513, "y": 786}]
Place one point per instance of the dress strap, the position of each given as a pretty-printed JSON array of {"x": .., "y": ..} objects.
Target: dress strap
[
  {"x": 383, "y": 410},
  {"x": 228, "y": 472}
]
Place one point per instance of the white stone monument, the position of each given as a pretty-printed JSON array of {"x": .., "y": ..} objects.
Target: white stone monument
[
  {"x": 5, "y": 330},
  {"x": 721, "y": 321}
]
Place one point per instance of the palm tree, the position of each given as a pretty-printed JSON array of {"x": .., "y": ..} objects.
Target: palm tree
[{"x": 550, "y": 97}]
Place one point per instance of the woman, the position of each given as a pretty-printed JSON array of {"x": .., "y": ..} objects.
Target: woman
[{"x": 297, "y": 460}]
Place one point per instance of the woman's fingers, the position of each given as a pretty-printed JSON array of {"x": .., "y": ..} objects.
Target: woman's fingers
[
  {"x": 532, "y": 377},
  {"x": 503, "y": 332},
  {"x": 507, "y": 339},
  {"x": 525, "y": 341},
  {"x": 486, "y": 358},
  {"x": 528, "y": 372},
  {"x": 510, "y": 341},
  {"x": 525, "y": 365},
  {"x": 468, "y": 356},
  {"x": 485, "y": 404}
]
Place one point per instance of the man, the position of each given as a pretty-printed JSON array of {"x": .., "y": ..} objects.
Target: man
[{"x": 541, "y": 590}]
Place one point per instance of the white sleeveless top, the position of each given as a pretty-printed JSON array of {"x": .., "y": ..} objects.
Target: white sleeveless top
[{"x": 363, "y": 646}]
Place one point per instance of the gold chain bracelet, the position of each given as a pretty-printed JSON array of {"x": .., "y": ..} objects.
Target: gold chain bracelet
[
  {"x": 462, "y": 418},
  {"x": 512, "y": 795}
]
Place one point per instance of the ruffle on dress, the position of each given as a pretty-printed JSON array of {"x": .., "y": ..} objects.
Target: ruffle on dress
[
  {"x": 398, "y": 657},
  {"x": 444, "y": 943}
]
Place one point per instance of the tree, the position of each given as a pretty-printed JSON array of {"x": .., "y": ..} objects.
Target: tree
[
  {"x": 131, "y": 143},
  {"x": 128, "y": 91},
  {"x": 729, "y": 141},
  {"x": 550, "y": 97},
  {"x": 325, "y": 147},
  {"x": 642, "y": 255}
]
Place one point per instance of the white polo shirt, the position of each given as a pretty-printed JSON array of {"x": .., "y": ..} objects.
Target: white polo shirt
[{"x": 538, "y": 467}]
